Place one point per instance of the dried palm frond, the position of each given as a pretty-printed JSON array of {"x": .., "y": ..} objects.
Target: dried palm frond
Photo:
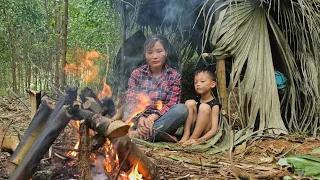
[{"x": 239, "y": 28}]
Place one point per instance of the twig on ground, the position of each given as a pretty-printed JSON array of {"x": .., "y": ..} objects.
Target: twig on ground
[
  {"x": 64, "y": 148},
  {"x": 272, "y": 174},
  {"x": 18, "y": 98},
  {"x": 65, "y": 156},
  {"x": 5, "y": 133},
  {"x": 188, "y": 161}
]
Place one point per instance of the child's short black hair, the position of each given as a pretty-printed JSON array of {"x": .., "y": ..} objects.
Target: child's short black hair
[{"x": 206, "y": 70}]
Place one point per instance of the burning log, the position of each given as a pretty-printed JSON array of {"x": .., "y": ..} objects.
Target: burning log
[
  {"x": 105, "y": 126},
  {"x": 126, "y": 148},
  {"x": 92, "y": 105},
  {"x": 91, "y": 102},
  {"x": 34, "y": 129},
  {"x": 87, "y": 92}
]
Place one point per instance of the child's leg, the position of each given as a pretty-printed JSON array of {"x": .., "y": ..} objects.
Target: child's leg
[
  {"x": 192, "y": 107},
  {"x": 202, "y": 121}
]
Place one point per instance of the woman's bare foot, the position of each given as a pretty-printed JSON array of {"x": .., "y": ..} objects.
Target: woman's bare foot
[
  {"x": 169, "y": 138},
  {"x": 134, "y": 134}
]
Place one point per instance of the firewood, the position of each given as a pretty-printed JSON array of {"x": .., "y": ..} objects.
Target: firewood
[
  {"x": 84, "y": 155},
  {"x": 125, "y": 147},
  {"x": 87, "y": 92},
  {"x": 105, "y": 126},
  {"x": 92, "y": 105}
]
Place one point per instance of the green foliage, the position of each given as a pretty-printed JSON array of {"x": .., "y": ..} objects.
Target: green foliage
[
  {"x": 91, "y": 26},
  {"x": 308, "y": 166}
]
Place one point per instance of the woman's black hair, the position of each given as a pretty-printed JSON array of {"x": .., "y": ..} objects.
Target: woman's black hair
[
  {"x": 151, "y": 40},
  {"x": 172, "y": 57}
]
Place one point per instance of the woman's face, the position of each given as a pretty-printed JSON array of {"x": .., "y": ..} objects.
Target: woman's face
[{"x": 156, "y": 56}]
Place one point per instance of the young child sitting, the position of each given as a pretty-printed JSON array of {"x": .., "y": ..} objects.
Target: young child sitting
[{"x": 202, "y": 122}]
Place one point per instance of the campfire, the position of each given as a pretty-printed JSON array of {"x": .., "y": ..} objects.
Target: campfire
[{"x": 103, "y": 149}]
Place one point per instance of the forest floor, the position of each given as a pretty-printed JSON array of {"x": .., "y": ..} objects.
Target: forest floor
[{"x": 257, "y": 159}]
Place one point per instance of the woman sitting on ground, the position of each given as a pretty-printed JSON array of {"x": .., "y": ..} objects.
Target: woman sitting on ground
[{"x": 158, "y": 82}]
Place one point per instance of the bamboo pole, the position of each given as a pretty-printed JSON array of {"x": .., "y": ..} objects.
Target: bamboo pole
[
  {"x": 28, "y": 139},
  {"x": 56, "y": 123},
  {"x": 222, "y": 85},
  {"x": 35, "y": 100}
]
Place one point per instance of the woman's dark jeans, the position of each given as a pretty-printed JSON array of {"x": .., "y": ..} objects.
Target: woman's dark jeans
[{"x": 169, "y": 122}]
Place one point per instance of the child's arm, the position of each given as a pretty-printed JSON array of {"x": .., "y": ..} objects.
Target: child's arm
[{"x": 214, "y": 125}]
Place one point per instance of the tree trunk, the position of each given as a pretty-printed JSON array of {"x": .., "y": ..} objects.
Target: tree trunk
[
  {"x": 28, "y": 67},
  {"x": 13, "y": 54},
  {"x": 57, "y": 38},
  {"x": 64, "y": 45},
  {"x": 49, "y": 70},
  {"x": 25, "y": 58}
]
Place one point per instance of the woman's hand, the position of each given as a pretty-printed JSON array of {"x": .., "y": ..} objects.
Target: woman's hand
[{"x": 145, "y": 127}]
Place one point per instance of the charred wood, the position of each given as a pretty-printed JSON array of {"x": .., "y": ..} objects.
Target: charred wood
[{"x": 126, "y": 148}]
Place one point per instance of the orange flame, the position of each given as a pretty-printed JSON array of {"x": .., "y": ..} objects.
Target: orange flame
[
  {"x": 83, "y": 66},
  {"x": 106, "y": 92},
  {"x": 74, "y": 153},
  {"x": 159, "y": 105},
  {"x": 111, "y": 160},
  {"x": 143, "y": 102},
  {"x": 134, "y": 174}
]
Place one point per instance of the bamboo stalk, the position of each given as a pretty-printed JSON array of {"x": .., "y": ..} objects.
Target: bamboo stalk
[
  {"x": 222, "y": 85},
  {"x": 28, "y": 139},
  {"x": 52, "y": 128},
  {"x": 105, "y": 126},
  {"x": 56, "y": 123}
]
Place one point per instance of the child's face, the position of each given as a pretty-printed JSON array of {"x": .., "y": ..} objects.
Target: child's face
[{"x": 203, "y": 83}]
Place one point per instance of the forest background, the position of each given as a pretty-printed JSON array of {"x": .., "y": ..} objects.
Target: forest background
[{"x": 32, "y": 43}]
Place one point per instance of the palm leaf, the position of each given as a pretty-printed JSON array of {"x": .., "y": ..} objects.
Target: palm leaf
[{"x": 243, "y": 34}]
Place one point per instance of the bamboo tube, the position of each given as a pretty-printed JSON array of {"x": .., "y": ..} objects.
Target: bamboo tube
[
  {"x": 28, "y": 139},
  {"x": 105, "y": 126},
  {"x": 56, "y": 123}
]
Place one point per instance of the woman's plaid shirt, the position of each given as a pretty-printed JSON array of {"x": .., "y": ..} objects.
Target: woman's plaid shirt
[{"x": 166, "y": 89}]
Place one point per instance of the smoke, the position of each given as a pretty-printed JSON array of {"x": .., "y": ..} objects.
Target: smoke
[
  {"x": 176, "y": 11},
  {"x": 98, "y": 171}
]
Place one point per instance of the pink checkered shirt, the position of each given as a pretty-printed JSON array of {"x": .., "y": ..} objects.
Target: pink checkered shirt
[{"x": 167, "y": 89}]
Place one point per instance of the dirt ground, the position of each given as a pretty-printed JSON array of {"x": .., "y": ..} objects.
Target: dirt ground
[{"x": 254, "y": 160}]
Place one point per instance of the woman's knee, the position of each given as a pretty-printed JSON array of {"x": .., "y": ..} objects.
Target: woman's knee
[
  {"x": 181, "y": 110},
  {"x": 204, "y": 108}
]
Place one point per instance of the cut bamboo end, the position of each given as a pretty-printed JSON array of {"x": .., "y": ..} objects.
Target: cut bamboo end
[{"x": 117, "y": 128}]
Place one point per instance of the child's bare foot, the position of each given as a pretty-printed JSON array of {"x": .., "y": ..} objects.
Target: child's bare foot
[{"x": 189, "y": 142}]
